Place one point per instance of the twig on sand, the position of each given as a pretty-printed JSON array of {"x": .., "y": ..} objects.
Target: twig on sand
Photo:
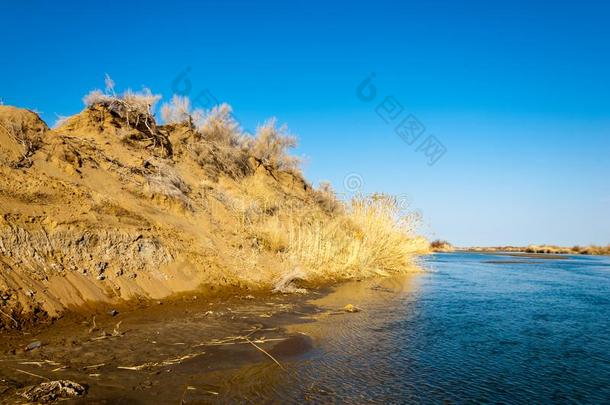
[
  {"x": 94, "y": 366},
  {"x": 117, "y": 329},
  {"x": 179, "y": 360},
  {"x": 39, "y": 363},
  {"x": 32, "y": 374},
  {"x": 8, "y": 316},
  {"x": 231, "y": 343},
  {"x": 93, "y": 327},
  {"x": 138, "y": 368},
  {"x": 187, "y": 388},
  {"x": 245, "y": 339},
  {"x": 169, "y": 362},
  {"x": 265, "y": 352}
]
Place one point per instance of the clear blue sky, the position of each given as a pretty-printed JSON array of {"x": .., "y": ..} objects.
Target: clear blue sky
[{"x": 517, "y": 91}]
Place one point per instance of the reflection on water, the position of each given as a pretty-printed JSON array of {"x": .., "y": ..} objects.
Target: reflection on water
[
  {"x": 474, "y": 328},
  {"x": 470, "y": 331}
]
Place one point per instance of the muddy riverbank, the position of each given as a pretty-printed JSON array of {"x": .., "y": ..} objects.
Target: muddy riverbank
[{"x": 192, "y": 348}]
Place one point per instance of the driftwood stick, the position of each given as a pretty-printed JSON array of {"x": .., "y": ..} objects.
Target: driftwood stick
[
  {"x": 32, "y": 374},
  {"x": 266, "y": 353}
]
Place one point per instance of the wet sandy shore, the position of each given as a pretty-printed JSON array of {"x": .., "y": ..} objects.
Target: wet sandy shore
[
  {"x": 164, "y": 352},
  {"x": 192, "y": 349}
]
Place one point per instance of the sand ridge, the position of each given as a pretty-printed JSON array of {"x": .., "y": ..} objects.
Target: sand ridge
[
  {"x": 109, "y": 206},
  {"x": 83, "y": 220}
]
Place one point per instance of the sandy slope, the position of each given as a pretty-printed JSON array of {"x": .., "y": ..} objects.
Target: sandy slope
[{"x": 91, "y": 212}]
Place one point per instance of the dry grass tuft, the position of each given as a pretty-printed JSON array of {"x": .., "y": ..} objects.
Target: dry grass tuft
[
  {"x": 370, "y": 237},
  {"x": 326, "y": 198},
  {"x": 272, "y": 236},
  {"x": 164, "y": 180}
]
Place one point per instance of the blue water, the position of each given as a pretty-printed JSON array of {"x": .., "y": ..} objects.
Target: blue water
[{"x": 475, "y": 328}]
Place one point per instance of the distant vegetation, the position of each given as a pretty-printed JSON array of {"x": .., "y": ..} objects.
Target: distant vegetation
[
  {"x": 441, "y": 246},
  {"x": 548, "y": 249},
  {"x": 580, "y": 250}
]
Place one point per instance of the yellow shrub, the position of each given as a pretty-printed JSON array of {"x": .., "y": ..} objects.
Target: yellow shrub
[{"x": 371, "y": 238}]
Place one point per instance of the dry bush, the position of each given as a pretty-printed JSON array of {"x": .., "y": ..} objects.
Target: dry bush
[
  {"x": 551, "y": 249},
  {"x": 221, "y": 160},
  {"x": 143, "y": 102},
  {"x": 97, "y": 97},
  {"x": 537, "y": 249},
  {"x": 179, "y": 111},
  {"x": 219, "y": 126},
  {"x": 60, "y": 121},
  {"x": 135, "y": 109},
  {"x": 440, "y": 245},
  {"x": 30, "y": 140},
  {"x": 592, "y": 250},
  {"x": 271, "y": 146},
  {"x": 219, "y": 145},
  {"x": 547, "y": 249}
]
